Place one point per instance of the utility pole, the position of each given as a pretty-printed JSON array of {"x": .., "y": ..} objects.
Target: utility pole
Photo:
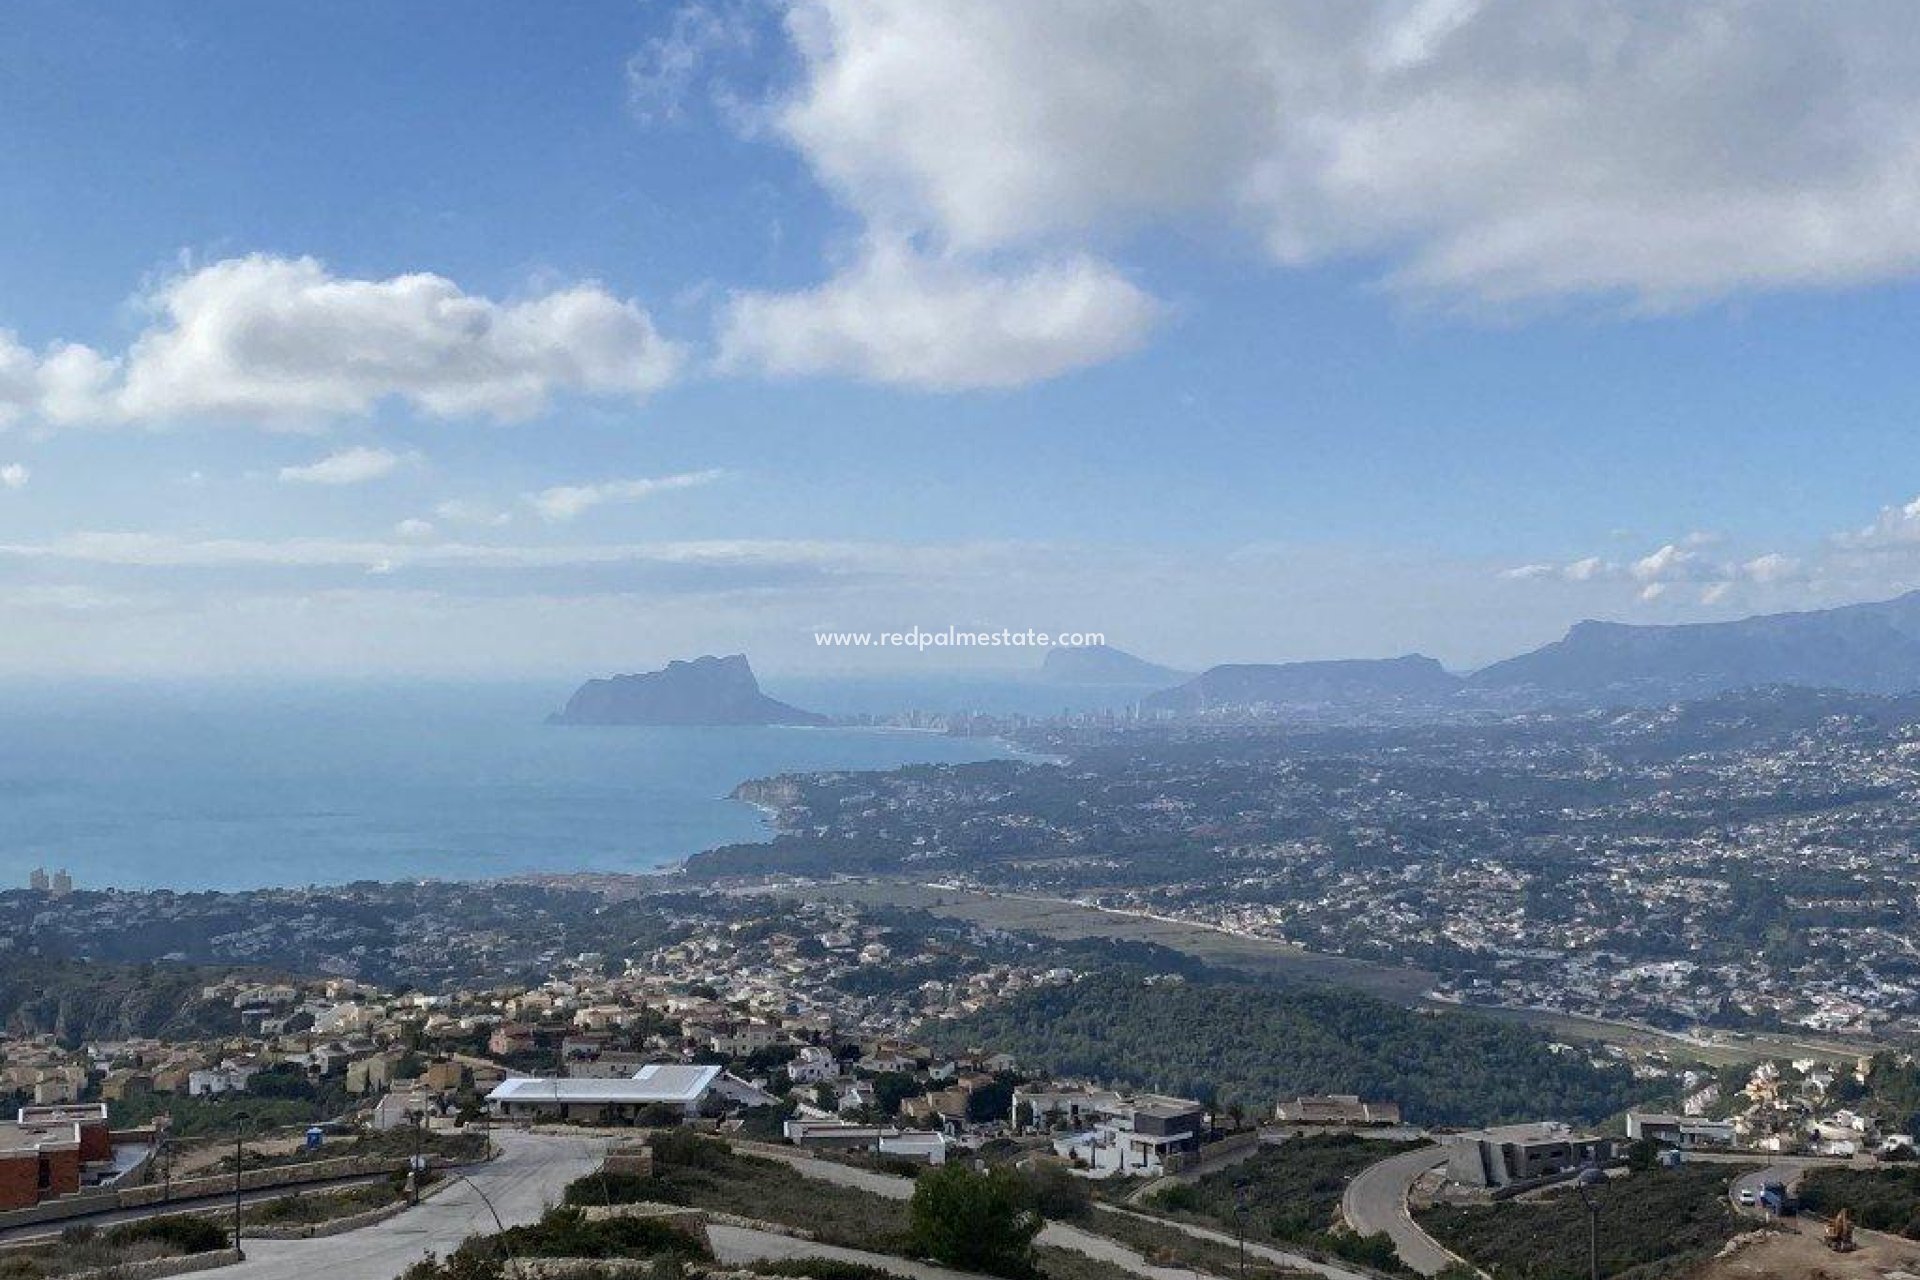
[
  {"x": 1591, "y": 1177},
  {"x": 239, "y": 1132}
]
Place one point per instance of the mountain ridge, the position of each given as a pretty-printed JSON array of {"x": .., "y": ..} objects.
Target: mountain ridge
[
  {"x": 1869, "y": 647},
  {"x": 1339, "y": 681},
  {"x": 1098, "y": 664}
]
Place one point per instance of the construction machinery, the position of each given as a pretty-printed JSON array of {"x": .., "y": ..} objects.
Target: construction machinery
[{"x": 1840, "y": 1232}]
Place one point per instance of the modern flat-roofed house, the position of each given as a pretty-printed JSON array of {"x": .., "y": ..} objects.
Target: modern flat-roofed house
[
  {"x": 691, "y": 1090},
  {"x": 887, "y": 1140},
  {"x": 38, "y": 1162},
  {"x": 1686, "y": 1132},
  {"x": 1336, "y": 1109},
  {"x": 1134, "y": 1134},
  {"x": 1521, "y": 1153},
  {"x": 1047, "y": 1107},
  {"x": 96, "y": 1138}
]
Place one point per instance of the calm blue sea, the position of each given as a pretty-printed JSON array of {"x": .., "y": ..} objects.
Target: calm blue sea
[{"x": 198, "y": 788}]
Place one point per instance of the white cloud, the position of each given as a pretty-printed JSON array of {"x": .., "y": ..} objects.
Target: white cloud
[
  {"x": 910, "y": 319},
  {"x": 664, "y": 73},
  {"x": 1669, "y": 564},
  {"x": 1496, "y": 151},
  {"x": 14, "y": 475},
  {"x": 564, "y": 502},
  {"x": 414, "y": 528},
  {"x": 349, "y": 466},
  {"x": 19, "y": 379},
  {"x": 283, "y": 341},
  {"x": 1587, "y": 570},
  {"x": 469, "y": 512},
  {"x": 1521, "y": 573},
  {"x": 1770, "y": 568},
  {"x": 989, "y": 560}
]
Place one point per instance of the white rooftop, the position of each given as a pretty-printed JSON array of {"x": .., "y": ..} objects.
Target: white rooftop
[{"x": 656, "y": 1082}]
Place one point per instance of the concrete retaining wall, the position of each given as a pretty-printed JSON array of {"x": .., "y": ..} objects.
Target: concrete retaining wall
[
  {"x": 160, "y": 1268},
  {"x": 286, "y": 1175}
]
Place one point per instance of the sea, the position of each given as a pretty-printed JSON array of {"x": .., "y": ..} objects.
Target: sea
[{"x": 196, "y": 787}]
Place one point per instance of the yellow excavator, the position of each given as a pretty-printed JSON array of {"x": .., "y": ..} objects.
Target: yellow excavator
[{"x": 1840, "y": 1232}]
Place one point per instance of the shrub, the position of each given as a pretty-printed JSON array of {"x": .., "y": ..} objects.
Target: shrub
[
  {"x": 565, "y": 1233},
  {"x": 1058, "y": 1194},
  {"x": 975, "y": 1221},
  {"x": 686, "y": 1149},
  {"x": 608, "y": 1187},
  {"x": 188, "y": 1235},
  {"x": 1178, "y": 1197}
]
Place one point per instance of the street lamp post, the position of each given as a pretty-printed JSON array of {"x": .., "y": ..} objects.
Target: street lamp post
[
  {"x": 1591, "y": 1177},
  {"x": 1240, "y": 1223},
  {"x": 413, "y": 1176}
]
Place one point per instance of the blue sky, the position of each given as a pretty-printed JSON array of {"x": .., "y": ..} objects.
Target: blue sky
[{"x": 508, "y": 339}]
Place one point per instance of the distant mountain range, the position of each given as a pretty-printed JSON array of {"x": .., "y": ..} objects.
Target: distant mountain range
[
  {"x": 1104, "y": 664},
  {"x": 705, "y": 691},
  {"x": 1864, "y": 648},
  {"x": 1860, "y": 648},
  {"x": 1343, "y": 682}
]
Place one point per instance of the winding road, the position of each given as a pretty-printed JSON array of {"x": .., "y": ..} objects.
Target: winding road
[
  {"x": 1060, "y": 1235},
  {"x": 1376, "y": 1201}
]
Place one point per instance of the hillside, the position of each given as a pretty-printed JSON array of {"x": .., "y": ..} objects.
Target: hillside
[
  {"x": 78, "y": 1001},
  {"x": 1256, "y": 1044},
  {"x": 1353, "y": 682},
  {"x": 1102, "y": 664}
]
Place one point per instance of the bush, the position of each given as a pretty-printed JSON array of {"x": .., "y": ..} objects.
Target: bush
[
  {"x": 1178, "y": 1197},
  {"x": 607, "y": 1187},
  {"x": 975, "y": 1221},
  {"x": 683, "y": 1148},
  {"x": 1057, "y": 1194},
  {"x": 188, "y": 1235},
  {"x": 1881, "y": 1199},
  {"x": 566, "y": 1233}
]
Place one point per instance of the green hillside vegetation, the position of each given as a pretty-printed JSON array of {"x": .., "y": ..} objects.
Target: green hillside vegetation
[
  {"x": 1230, "y": 1042},
  {"x": 77, "y": 1000},
  {"x": 1881, "y": 1199},
  {"x": 1653, "y": 1225},
  {"x": 1291, "y": 1192}
]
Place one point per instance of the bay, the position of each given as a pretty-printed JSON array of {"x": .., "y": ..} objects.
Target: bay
[{"x": 226, "y": 787}]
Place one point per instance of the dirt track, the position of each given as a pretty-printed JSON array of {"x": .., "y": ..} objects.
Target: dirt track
[{"x": 1800, "y": 1255}]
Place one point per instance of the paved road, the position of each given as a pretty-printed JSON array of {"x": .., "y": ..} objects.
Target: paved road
[
  {"x": 522, "y": 1182},
  {"x": 1112, "y": 1252},
  {"x": 1783, "y": 1170},
  {"x": 1280, "y": 1257},
  {"x": 1376, "y": 1201}
]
